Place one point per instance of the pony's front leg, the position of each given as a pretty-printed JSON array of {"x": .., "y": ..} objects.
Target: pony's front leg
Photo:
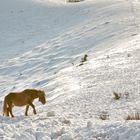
[
  {"x": 31, "y": 104},
  {"x": 26, "y": 111}
]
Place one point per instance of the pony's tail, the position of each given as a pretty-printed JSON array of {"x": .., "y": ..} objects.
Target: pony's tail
[{"x": 5, "y": 109}]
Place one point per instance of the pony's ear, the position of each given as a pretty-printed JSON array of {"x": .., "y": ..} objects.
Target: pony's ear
[{"x": 41, "y": 91}]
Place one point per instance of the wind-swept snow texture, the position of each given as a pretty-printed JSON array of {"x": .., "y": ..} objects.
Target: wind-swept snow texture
[{"x": 42, "y": 43}]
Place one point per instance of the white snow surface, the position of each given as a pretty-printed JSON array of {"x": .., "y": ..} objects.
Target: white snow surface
[{"x": 41, "y": 46}]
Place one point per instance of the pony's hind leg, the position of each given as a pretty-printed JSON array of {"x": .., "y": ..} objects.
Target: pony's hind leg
[
  {"x": 10, "y": 110},
  {"x": 31, "y": 104},
  {"x": 26, "y": 111},
  {"x": 7, "y": 112}
]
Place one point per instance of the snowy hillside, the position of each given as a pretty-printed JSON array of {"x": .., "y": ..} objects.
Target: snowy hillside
[{"x": 42, "y": 44}]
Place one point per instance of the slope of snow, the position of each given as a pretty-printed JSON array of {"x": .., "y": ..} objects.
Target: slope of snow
[
  {"x": 26, "y": 23},
  {"x": 44, "y": 42}
]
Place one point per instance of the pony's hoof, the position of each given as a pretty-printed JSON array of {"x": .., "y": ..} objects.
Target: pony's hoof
[{"x": 35, "y": 112}]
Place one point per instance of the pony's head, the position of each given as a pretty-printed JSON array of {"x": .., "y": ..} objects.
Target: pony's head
[{"x": 41, "y": 95}]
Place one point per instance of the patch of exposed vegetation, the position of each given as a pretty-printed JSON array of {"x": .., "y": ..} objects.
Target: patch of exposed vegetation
[
  {"x": 117, "y": 96},
  {"x": 134, "y": 116},
  {"x": 104, "y": 115},
  {"x": 73, "y": 0},
  {"x": 83, "y": 59}
]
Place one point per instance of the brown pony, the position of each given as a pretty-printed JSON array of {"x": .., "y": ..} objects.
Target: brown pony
[{"x": 23, "y": 98}]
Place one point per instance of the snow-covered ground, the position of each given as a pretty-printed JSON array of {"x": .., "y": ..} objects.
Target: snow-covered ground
[{"x": 42, "y": 43}]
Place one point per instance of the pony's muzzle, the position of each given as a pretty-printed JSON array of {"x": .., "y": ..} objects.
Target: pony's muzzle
[{"x": 44, "y": 103}]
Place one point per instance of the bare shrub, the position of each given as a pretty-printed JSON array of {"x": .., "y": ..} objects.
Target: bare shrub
[
  {"x": 104, "y": 115},
  {"x": 83, "y": 59},
  {"x": 134, "y": 116},
  {"x": 73, "y": 0},
  {"x": 124, "y": 95},
  {"x": 128, "y": 55},
  {"x": 117, "y": 96},
  {"x": 68, "y": 122}
]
